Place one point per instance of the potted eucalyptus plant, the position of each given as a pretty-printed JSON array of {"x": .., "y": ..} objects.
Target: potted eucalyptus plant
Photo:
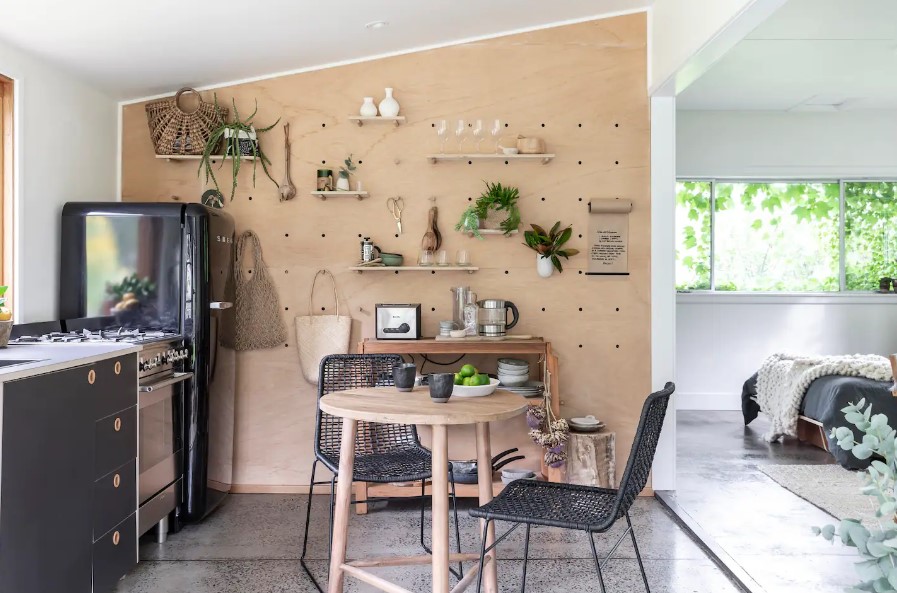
[
  {"x": 549, "y": 247},
  {"x": 496, "y": 199},
  {"x": 241, "y": 142}
]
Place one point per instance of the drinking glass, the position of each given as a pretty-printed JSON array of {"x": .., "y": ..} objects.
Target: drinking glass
[
  {"x": 479, "y": 132},
  {"x": 442, "y": 132},
  {"x": 442, "y": 258},
  {"x": 495, "y": 130},
  {"x": 426, "y": 258},
  {"x": 460, "y": 128},
  {"x": 462, "y": 258}
]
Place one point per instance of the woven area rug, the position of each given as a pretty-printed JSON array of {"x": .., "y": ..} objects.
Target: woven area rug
[{"x": 832, "y": 488}]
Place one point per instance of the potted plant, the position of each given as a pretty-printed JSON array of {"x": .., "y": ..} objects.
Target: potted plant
[
  {"x": 241, "y": 141},
  {"x": 496, "y": 198},
  {"x": 549, "y": 247},
  {"x": 342, "y": 183}
]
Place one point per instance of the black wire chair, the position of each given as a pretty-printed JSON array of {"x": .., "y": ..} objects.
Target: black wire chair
[
  {"x": 384, "y": 453},
  {"x": 583, "y": 508}
]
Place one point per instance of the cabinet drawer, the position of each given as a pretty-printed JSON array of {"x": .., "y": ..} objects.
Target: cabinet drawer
[
  {"x": 114, "y": 386},
  {"x": 114, "y": 555},
  {"x": 114, "y": 498},
  {"x": 115, "y": 441}
]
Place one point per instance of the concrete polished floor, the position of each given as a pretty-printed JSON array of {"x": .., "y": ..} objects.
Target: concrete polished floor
[
  {"x": 252, "y": 545},
  {"x": 760, "y": 526}
]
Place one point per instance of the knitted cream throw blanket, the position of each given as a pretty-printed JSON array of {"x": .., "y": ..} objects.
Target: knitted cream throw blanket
[{"x": 783, "y": 380}]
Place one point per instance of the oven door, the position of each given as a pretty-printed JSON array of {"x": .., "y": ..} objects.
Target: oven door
[{"x": 160, "y": 419}]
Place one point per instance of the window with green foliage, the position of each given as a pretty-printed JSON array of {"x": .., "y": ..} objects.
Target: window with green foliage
[{"x": 785, "y": 236}]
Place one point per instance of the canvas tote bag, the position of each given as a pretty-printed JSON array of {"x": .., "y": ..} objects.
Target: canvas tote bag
[
  {"x": 320, "y": 335},
  {"x": 258, "y": 323}
]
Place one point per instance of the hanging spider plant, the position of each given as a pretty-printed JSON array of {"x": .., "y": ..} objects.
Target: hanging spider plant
[{"x": 232, "y": 132}]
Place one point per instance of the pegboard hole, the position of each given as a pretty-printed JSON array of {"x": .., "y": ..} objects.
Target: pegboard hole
[
  {"x": 580, "y": 125},
  {"x": 433, "y": 309},
  {"x": 469, "y": 162},
  {"x": 359, "y": 235},
  {"x": 580, "y": 236},
  {"x": 250, "y": 271},
  {"x": 616, "y": 125},
  {"x": 360, "y": 161},
  {"x": 580, "y": 308},
  {"x": 580, "y": 162},
  {"x": 250, "y": 198},
  {"x": 323, "y": 125},
  {"x": 323, "y": 162},
  {"x": 580, "y": 199},
  {"x": 286, "y": 271},
  {"x": 543, "y": 125},
  {"x": 580, "y": 345},
  {"x": 286, "y": 345},
  {"x": 580, "y": 271},
  {"x": 543, "y": 308},
  {"x": 470, "y": 199},
  {"x": 618, "y": 308},
  {"x": 397, "y": 235},
  {"x": 323, "y": 308},
  {"x": 323, "y": 235},
  {"x": 432, "y": 271},
  {"x": 396, "y": 272},
  {"x": 286, "y": 234},
  {"x": 506, "y": 162},
  {"x": 506, "y": 125},
  {"x": 432, "y": 125},
  {"x": 286, "y": 308},
  {"x": 618, "y": 346},
  {"x": 507, "y": 272},
  {"x": 616, "y": 162},
  {"x": 543, "y": 199}
]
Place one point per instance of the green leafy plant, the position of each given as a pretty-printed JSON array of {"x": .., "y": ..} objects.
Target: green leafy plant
[
  {"x": 348, "y": 167},
  {"x": 550, "y": 244},
  {"x": 877, "y": 545},
  {"x": 496, "y": 198},
  {"x": 133, "y": 284},
  {"x": 235, "y": 128}
]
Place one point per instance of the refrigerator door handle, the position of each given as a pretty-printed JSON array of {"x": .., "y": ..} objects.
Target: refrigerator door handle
[{"x": 220, "y": 305}]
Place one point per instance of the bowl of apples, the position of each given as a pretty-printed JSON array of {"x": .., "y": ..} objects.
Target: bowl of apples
[{"x": 469, "y": 382}]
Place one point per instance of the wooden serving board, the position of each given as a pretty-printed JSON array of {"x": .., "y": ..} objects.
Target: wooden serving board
[{"x": 482, "y": 338}]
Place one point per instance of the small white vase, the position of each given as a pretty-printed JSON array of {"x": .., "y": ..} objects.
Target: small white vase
[
  {"x": 389, "y": 107},
  {"x": 342, "y": 184},
  {"x": 368, "y": 109},
  {"x": 544, "y": 266}
]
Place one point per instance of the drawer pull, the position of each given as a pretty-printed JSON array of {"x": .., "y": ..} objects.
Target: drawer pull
[
  {"x": 117, "y": 424},
  {"x": 117, "y": 367},
  {"x": 91, "y": 376},
  {"x": 116, "y": 481},
  {"x": 116, "y": 537}
]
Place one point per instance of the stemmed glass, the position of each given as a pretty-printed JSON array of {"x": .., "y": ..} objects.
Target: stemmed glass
[
  {"x": 478, "y": 132},
  {"x": 442, "y": 132},
  {"x": 460, "y": 128},
  {"x": 495, "y": 130}
]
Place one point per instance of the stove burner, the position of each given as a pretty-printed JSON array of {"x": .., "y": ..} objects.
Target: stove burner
[{"x": 121, "y": 334}]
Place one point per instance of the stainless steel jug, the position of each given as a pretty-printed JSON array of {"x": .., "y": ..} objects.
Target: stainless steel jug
[{"x": 493, "y": 317}]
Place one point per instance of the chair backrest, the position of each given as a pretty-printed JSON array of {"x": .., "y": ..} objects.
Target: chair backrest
[
  {"x": 340, "y": 372},
  {"x": 641, "y": 457}
]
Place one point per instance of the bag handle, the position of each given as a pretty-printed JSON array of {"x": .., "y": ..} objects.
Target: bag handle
[
  {"x": 177, "y": 99},
  {"x": 312, "y": 293},
  {"x": 247, "y": 241}
]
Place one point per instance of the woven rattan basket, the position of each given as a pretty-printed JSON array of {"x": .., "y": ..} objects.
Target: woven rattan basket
[{"x": 174, "y": 130}]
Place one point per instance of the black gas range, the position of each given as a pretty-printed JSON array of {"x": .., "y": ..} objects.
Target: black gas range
[{"x": 118, "y": 334}]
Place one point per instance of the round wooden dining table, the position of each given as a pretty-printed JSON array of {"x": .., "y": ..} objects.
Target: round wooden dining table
[{"x": 388, "y": 405}]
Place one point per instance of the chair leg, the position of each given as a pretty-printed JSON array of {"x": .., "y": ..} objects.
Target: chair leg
[
  {"x": 311, "y": 488},
  {"x": 525, "y": 559},
  {"x": 460, "y": 574},
  {"x": 482, "y": 555},
  {"x": 638, "y": 555},
  {"x": 332, "y": 505},
  {"x": 597, "y": 564}
]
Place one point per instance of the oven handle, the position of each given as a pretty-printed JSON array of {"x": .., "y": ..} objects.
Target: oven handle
[
  {"x": 220, "y": 305},
  {"x": 175, "y": 378}
]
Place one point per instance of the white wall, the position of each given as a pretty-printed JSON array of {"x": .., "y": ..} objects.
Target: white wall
[
  {"x": 722, "y": 339},
  {"x": 66, "y": 150}
]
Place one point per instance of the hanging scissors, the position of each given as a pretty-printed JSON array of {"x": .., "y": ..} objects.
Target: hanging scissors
[{"x": 395, "y": 206}]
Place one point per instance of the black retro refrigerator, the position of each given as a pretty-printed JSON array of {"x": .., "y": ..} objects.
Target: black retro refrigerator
[{"x": 186, "y": 251}]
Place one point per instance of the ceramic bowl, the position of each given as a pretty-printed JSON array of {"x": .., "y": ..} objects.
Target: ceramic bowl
[
  {"x": 513, "y": 380},
  {"x": 512, "y": 362},
  {"x": 475, "y": 391},
  {"x": 509, "y": 149},
  {"x": 513, "y": 370},
  {"x": 517, "y": 472},
  {"x": 391, "y": 259}
]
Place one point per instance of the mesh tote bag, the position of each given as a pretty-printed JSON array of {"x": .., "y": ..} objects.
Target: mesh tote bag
[
  {"x": 320, "y": 335},
  {"x": 258, "y": 323}
]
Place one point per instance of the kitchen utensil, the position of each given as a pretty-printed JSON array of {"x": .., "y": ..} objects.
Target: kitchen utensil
[
  {"x": 493, "y": 317},
  {"x": 436, "y": 226},
  {"x": 475, "y": 391},
  {"x": 369, "y": 251},
  {"x": 395, "y": 206},
  {"x": 287, "y": 189},
  {"x": 459, "y": 299},
  {"x": 397, "y": 321},
  {"x": 391, "y": 259},
  {"x": 403, "y": 376},
  {"x": 441, "y": 387},
  {"x": 429, "y": 242},
  {"x": 465, "y": 472}
]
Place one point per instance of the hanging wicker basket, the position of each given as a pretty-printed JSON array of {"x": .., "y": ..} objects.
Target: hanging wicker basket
[{"x": 175, "y": 131}]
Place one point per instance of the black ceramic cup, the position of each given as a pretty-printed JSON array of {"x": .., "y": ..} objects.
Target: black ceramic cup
[
  {"x": 441, "y": 386},
  {"x": 403, "y": 375}
]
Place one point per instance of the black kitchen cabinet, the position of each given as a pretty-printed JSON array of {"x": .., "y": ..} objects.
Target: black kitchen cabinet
[{"x": 68, "y": 479}]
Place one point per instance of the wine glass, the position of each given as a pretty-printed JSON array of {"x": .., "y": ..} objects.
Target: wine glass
[
  {"x": 442, "y": 132},
  {"x": 495, "y": 130},
  {"x": 478, "y": 132},
  {"x": 460, "y": 128}
]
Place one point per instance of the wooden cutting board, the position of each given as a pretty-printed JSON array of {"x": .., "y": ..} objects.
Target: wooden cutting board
[{"x": 483, "y": 338}]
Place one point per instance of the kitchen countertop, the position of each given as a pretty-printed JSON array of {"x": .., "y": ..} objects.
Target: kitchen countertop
[{"x": 54, "y": 357}]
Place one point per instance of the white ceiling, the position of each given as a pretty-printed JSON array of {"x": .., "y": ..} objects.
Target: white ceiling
[
  {"x": 840, "y": 54},
  {"x": 136, "y": 49}
]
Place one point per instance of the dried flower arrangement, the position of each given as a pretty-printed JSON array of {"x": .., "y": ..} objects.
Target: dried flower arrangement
[{"x": 549, "y": 432}]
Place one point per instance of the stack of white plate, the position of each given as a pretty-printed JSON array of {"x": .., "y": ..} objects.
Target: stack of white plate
[
  {"x": 585, "y": 424},
  {"x": 528, "y": 389},
  {"x": 513, "y": 372},
  {"x": 508, "y": 475}
]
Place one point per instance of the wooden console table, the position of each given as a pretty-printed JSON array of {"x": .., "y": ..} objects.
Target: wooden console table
[{"x": 548, "y": 372}]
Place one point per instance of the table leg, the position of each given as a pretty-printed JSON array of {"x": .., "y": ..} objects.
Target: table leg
[
  {"x": 343, "y": 504},
  {"x": 440, "y": 510},
  {"x": 484, "y": 479}
]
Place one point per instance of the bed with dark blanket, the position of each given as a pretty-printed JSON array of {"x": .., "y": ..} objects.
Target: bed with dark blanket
[{"x": 823, "y": 402}]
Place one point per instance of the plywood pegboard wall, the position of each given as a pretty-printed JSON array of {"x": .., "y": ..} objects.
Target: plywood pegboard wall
[{"x": 582, "y": 88}]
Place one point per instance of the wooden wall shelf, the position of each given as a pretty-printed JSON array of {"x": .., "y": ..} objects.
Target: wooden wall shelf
[
  {"x": 361, "y": 119},
  {"x": 468, "y": 269},
  {"x": 508, "y": 158},
  {"x": 491, "y": 232},
  {"x": 340, "y": 194},
  {"x": 192, "y": 157}
]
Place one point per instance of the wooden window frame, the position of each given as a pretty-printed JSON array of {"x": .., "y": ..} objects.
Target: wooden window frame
[{"x": 7, "y": 182}]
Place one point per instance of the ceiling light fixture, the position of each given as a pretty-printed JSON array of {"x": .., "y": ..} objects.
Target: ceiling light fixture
[{"x": 376, "y": 25}]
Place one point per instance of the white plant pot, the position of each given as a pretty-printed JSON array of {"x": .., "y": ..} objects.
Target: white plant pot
[
  {"x": 342, "y": 184},
  {"x": 389, "y": 107},
  {"x": 544, "y": 266},
  {"x": 368, "y": 109}
]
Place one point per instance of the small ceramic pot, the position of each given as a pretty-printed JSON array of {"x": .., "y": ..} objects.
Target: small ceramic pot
[
  {"x": 342, "y": 183},
  {"x": 403, "y": 375},
  {"x": 389, "y": 107},
  {"x": 325, "y": 180},
  {"x": 544, "y": 266},
  {"x": 441, "y": 387},
  {"x": 368, "y": 109}
]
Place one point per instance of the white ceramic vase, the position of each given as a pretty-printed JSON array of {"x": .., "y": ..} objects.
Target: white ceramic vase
[
  {"x": 368, "y": 109},
  {"x": 389, "y": 107},
  {"x": 544, "y": 266},
  {"x": 342, "y": 184}
]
